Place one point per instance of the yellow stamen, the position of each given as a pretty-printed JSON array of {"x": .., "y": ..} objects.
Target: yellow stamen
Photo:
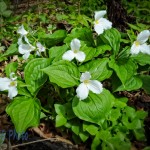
[
  {"x": 86, "y": 81},
  {"x": 137, "y": 43},
  {"x": 13, "y": 83},
  {"x": 75, "y": 51},
  {"x": 96, "y": 22}
]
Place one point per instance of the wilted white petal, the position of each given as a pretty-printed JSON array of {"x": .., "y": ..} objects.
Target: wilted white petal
[
  {"x": 69, "y": 55},
  {"x": 26, "y": 55},
  {"x": 98, "y": 28},
  {"x": 12, "y": 92},
  {"x": 99, "y": 14},
  {"x": 82, "y": 91},
  {"x": 85, "y": 76},
  {"x": 105, "y": 23},
  {"x": 41, "y": 48},
  {"x": 95, "y": 86},
  {"x": 143, "y": 36},
  {"x": 23, "y": 48},
  {"x": 22, "y": 31},
  {"x": 80, "y": 56},
  {"x": 135, "y": 49},
  {"x": 20, "y": 40},
  {"x": 4, "y": 84},
  {"x": 144, "y": 48},
  {"x": 75, "y": 44},
  {"x": 26, "y": 39}
]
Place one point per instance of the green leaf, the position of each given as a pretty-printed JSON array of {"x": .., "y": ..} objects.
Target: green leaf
[
  {"x": 140, "y": 134},
  {"x": 60, "y": 120},
  {"x": 7, "y": 13},
  {"x": 11, "y": 50},
  {"x": 124, "y": 69},
  {"x": 142, "y": 59},
  {"x": 146, "y": 80},
  {"x": 95, "y": 108},
  {"x": 65, "y": 74},
  {"x": 90, "y": 128},
  {"x": 11, "y": 67},
  {"x": 56, "y": 52},
  {"x": 33, "y": 75},
  {"x": 84, "y": 136},
  {"x": 83, "y": 34},
  {"x": 24, "y": 112},
  {"x": 133, "y": 83},
  {"x": 112, "y": 37},
  {"x": 3, "y": 7},
  {"x": 98, "y": 68},
  {"x": 53, "y": 39}
]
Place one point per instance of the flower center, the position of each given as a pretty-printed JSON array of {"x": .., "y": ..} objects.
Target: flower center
[
  {"x": 13, "y": 83},
  {"x": 137, "y": 43},
  {"x": 96, "y": 21},
  {"x": 75, "y": 51},
  {"x": 86, "y": 81}
]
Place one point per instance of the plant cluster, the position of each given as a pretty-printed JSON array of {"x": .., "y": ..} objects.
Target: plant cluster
[{"x": 86, "y": 70}]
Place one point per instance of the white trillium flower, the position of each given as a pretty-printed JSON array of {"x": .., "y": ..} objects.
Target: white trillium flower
[
  {"x": 10, "y": 85},
  {"x": 23, "y": 34},
  {"x": 86, "y": 85},
  {"x": 40, "y": 47},
  {"x": 100, "y": 23},
  {"x": 140, "y": 44},
  {"x": 74, "y": 52},
  {"x": 26, "y": 49}
]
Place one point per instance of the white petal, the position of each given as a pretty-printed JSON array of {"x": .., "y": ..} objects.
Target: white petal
[
  {"x": 12, "y": 77},
  {"x": 143, "y": 36},
  {"x": 26, "y": 55},
  {"x": 12, "y": 92},
  {"x": 95, "y": 86},
  {"x": 99, "y": 14},
  {"x": 22, "y": 31},
  {"x": 69, "y": 55},
  {"x": 75, "y": 44},
  {"x": 24, "y": 48},
  {"x": 144, "y": 48},
  {"x": 26, "y": 39},
  {"x": 20, "y": 40},
  {"x": 85, "y": 76},
  {"x": 41, "y": 48},
  {"x": 80, "y": 56},
  {"x": 98, "y": 28},
  {"x": 4, "y": 84},
  {"x": 135, "y": 49},
  {"x": 105, "y": 23},
  {"x": 82, "y": 91}
]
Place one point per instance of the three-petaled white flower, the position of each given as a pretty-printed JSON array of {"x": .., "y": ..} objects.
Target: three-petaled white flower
[
  {"x": 40, "y": 48},
  {"x": 25, "y": 49},
  {"x": 100, "y": 23},
  {"x": 23, "y": 34},
  {"x": 86, "y": 85},
  {"x": 74, "y": 52},
  {"x": 140, "y": 44},
  {"x": 10, "y": 85}
]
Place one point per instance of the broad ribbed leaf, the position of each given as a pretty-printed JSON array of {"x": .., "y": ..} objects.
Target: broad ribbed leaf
[
  {"x": 112, "y": 37},
  {"x": 125, "y": 70},
  {"x": 146, "y": 83},
  {"x": 56, "y": 52},
  {"x": 65, "y": 74},
  {"x": 133, "y": 84},
  {"x": 33, "y": 75},
  {"x": 95, "y": 108},
  {"x": 98, "y": 68},
  {"x": 24, "y": 112}
]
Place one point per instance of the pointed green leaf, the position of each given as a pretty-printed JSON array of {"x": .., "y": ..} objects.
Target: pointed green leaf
[
  {"x": 95, "y": 108},
  {"x": 24, "y": 112},
  {"x": 65, "y": 74},
  {"x": 33, "y": 75},
  {"x": 98, "y": 68}
]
